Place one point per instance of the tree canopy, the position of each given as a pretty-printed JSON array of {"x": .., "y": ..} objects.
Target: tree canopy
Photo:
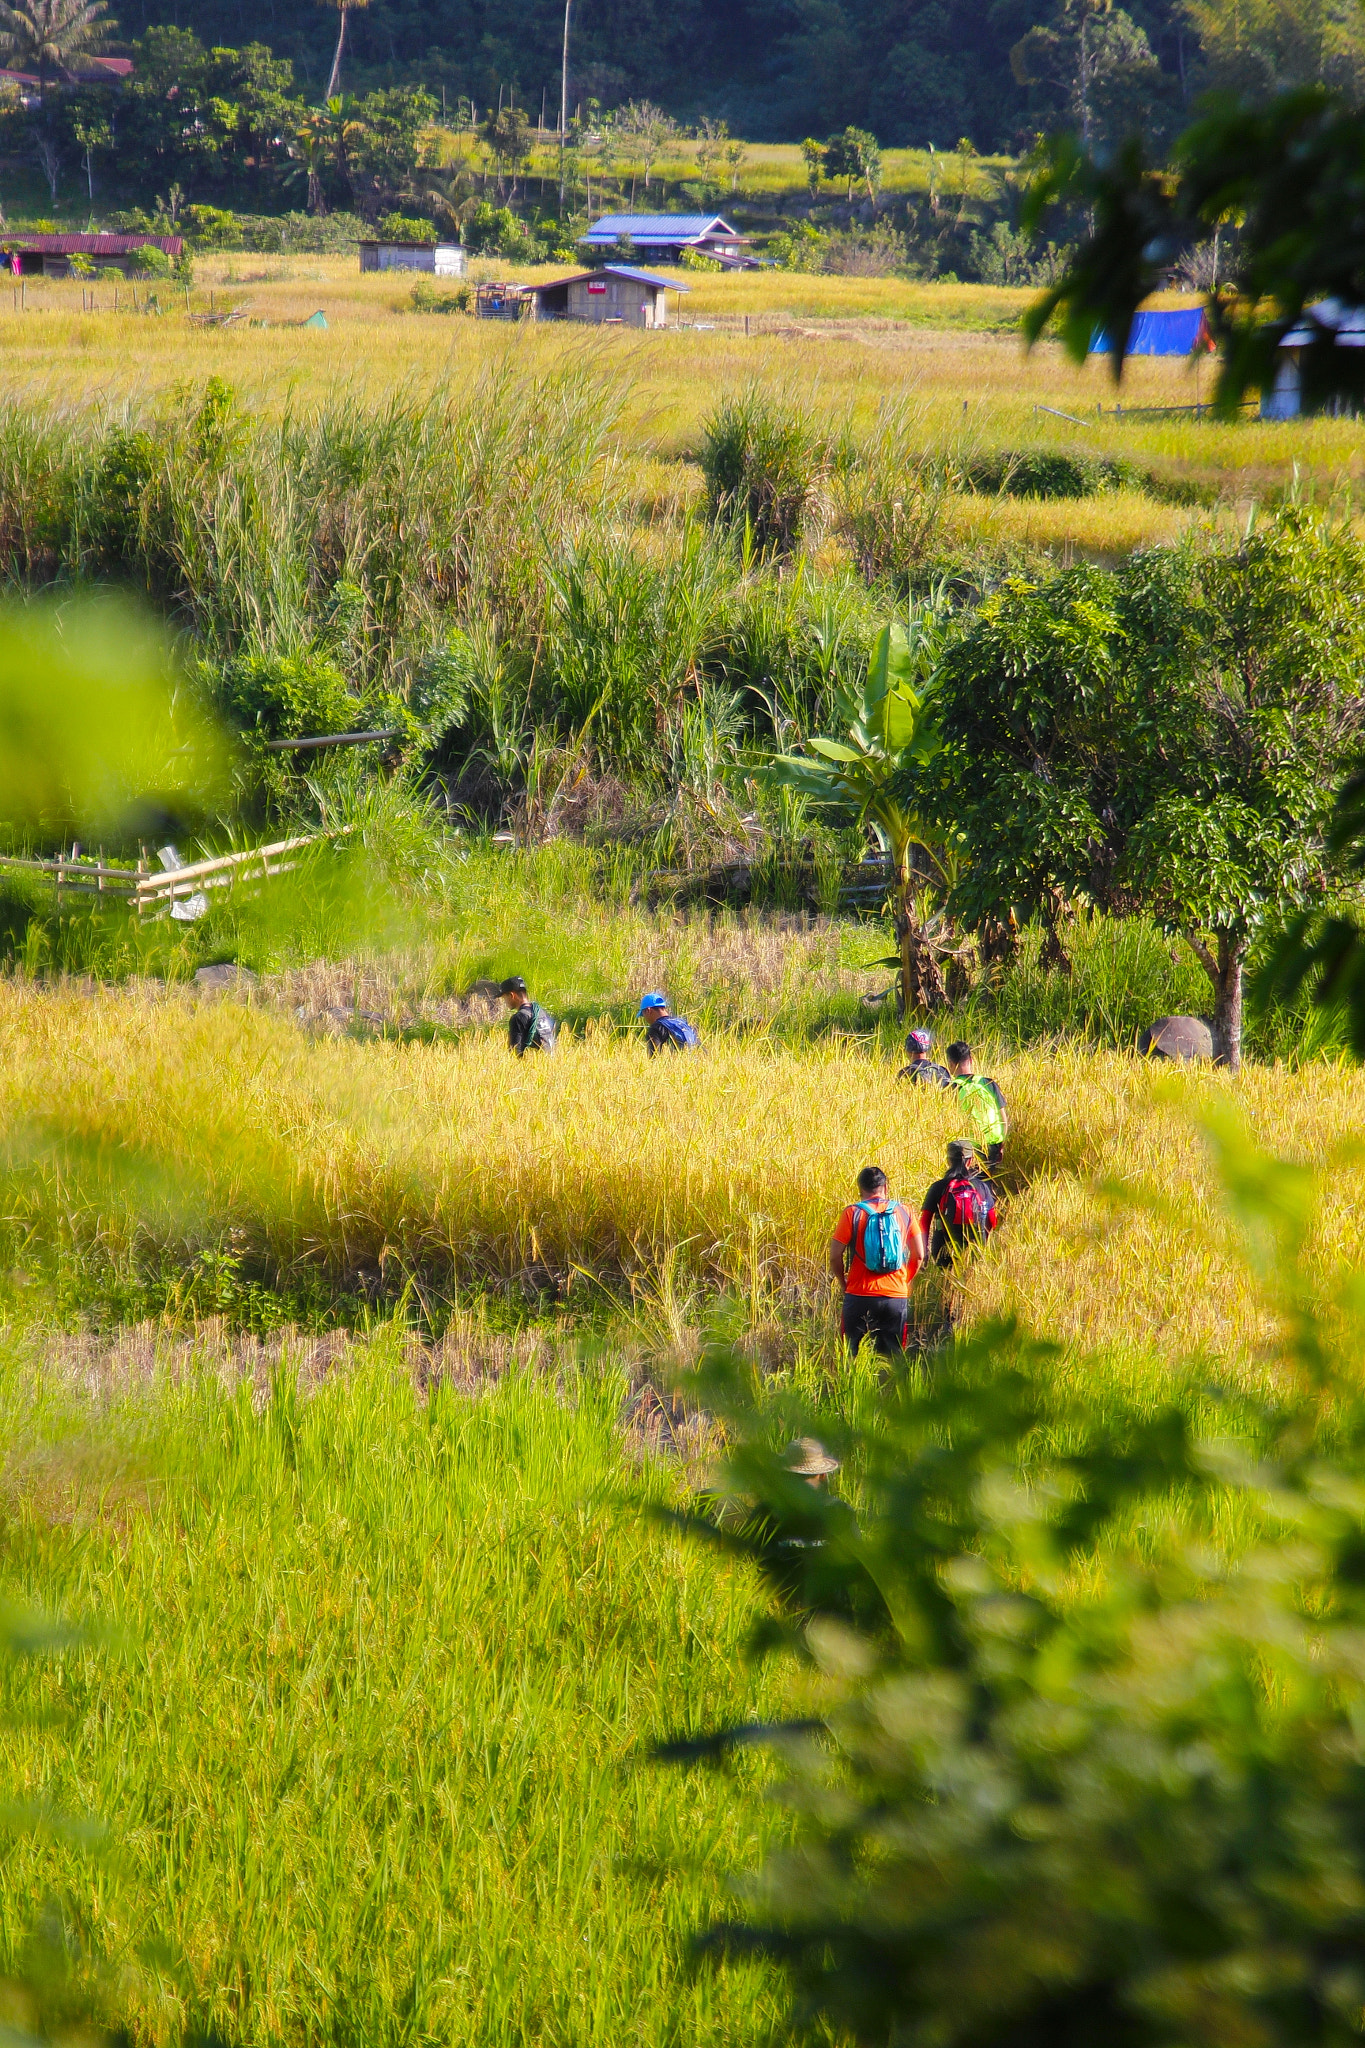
[{"x": 1162, "y": 738}]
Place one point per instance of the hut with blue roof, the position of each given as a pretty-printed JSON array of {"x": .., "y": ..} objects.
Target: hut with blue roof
[{"x": 662, "y": 237}]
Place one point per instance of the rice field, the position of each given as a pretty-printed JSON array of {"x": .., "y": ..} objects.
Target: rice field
[
  {"x": 335, "y": 1345},
  {"x": 838, "y": 349}
]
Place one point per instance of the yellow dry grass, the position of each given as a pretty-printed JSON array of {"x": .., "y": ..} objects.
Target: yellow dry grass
[{"x": 719, "y": 1172}]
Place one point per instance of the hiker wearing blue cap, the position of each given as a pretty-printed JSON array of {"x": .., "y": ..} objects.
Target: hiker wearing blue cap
[
  {"x": 664, "y": 1033},
  {"x": 918, "y": 1045}
]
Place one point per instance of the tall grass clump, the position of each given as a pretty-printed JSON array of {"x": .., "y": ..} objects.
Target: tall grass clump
[
  {"x": 345, "y": 528},
  {"x": 763, "y": 468}
]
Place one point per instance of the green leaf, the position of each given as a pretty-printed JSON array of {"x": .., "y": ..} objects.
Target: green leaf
[{"x": 835, "y": 750}]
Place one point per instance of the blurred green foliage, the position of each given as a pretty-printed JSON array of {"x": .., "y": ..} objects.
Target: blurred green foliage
[{"x": 1092, "y": 1760}]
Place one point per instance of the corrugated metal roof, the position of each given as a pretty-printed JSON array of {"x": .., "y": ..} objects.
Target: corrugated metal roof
[
  {"x": 657, "y": 227},
  {"x": 1346, "y": 324},
  {"x": 89, "y": 245},
  {"x": 663, "y": 284}
]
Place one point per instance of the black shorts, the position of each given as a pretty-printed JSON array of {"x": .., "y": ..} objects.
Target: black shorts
[{"x": 882, "y": 1317}]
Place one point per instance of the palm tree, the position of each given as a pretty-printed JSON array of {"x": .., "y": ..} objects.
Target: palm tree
[
  {"x": 48, "y": 36},
  {"x": 343, "y": 8}
]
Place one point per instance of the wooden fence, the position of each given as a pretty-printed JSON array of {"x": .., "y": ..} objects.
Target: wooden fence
[{"x": 147, "y": 890}]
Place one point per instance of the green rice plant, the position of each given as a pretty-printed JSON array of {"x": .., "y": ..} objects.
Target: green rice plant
[{"x": 402, "y": 1639}]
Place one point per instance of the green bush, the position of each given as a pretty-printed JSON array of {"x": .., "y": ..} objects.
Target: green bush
[
  {"x": 403, "y": 227},
  {"x": 427, "y": 299},
  {"x": 151, "y": 262},
  {"x": 282, "y": 696},
  {"x": 1050, "y": 473}
]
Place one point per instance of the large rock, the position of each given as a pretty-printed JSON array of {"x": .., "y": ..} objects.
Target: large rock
[
  {"x": 225, "y": 975},
  {"x": 1177, "y": 1038}
]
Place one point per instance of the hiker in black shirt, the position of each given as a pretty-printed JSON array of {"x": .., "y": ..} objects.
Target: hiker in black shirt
[
  {"x": 529, "y": 1028},
  {"x": 959, "y": 1209},
  {"x": 921, "y": 1068}
]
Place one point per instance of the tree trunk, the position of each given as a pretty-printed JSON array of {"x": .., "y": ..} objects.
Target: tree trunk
[
  {"x": 1225, "y": 972},
  {"x": 335, "y": 78},
  {"x": 921, "y": 982}
]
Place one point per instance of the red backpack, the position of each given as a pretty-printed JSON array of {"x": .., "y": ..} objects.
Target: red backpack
[{"x": 963, "y": 1209}]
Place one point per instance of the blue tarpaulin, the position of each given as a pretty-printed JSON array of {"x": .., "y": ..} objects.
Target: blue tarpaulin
[{"x": 1174, "y": 331}]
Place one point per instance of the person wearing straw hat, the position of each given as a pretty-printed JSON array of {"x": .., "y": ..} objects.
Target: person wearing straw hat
[
  {"x": 806, "y": 1458},
  {"x": 663, "y": 1031}
]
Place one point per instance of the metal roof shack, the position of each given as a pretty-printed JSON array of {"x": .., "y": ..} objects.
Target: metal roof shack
[
  {"x": 664, "y": 236},
  {"x": 50, "y": 255},
  {"x": 1330, "y": 321},
  {"x": 617, "y": 295},
  {"x": 442, "y": 259}
]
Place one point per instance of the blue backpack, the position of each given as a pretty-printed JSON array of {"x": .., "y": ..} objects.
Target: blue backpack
[
  {"x": 683, "y": 1034},
  {"x": 883, "y": 1241}
]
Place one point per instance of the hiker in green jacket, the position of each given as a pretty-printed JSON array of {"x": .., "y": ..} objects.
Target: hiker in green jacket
[{"x": 982, "y": 1100}]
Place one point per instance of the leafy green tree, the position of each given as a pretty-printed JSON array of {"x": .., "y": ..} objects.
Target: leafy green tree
[
  {"x": 1258, "y": 47},
  {"x": 892, "y": 735},
  {"x": 813, "y": 156},
  {"x": 854, "y": 155},
  {"x": 506, "y": 135},
  {"x": 388, "y": 143},
  {"x": 1093, "y": 66},
  {"x": 1161, "y": 739}
]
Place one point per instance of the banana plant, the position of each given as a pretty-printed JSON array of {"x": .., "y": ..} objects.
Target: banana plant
[{"x": 892, "y": 725}]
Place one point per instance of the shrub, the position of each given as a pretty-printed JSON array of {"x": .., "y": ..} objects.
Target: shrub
[
  {"x": 878, "y": 252},
  {"x": 212, "y": 227},
  {"x": 762, "y": 467},
  {"x": 1009, "y": 257},
  {"x": 693, "y": 259},
  {"x": 1049, "y": 473},
  {"x": 426, "y": 298},
  {"x": 151, "y": 262},
  {"x": 799, "y": 247},
  {"x": 282, "y": 696},
  {"x": 403, "y": 227}
]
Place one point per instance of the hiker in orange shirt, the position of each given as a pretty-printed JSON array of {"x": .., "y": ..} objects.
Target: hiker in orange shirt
[{"x": 875, "y": 1252}]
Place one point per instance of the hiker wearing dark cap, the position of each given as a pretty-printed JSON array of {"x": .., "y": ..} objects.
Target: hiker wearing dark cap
[
  {"x": 529, "y": 1028},
  {"x": 959, "y": 1209},
  {"x": 875, "y": 1252},
  {"x": 918, "y": 1045},
  {"x": 663, "y": 1031},
  {"x": 982, "y": 1101}
]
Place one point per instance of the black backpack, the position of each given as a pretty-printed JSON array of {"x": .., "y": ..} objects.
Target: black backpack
[{"x": 543, "y": 1032}]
